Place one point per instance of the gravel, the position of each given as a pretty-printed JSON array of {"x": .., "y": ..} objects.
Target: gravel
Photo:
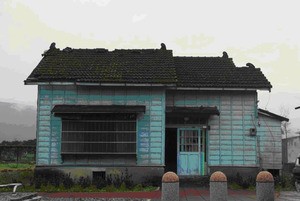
[
  {"x": 6, "y": 197},
  {"x": 94, "y": 199}
]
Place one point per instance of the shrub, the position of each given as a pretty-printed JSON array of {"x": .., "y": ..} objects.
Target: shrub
[
  {"x": 123, "y": 187},
  {"x": 100, "y": 183},
  {"x": 138, "y": 187},
  {"x": 67, "y": 181},
  {"x": 110, "y": 188},
  {"x": 151, "y": 181},
  {"x": 20, "y": 176},
  {"x": 84, "y": 182},
  {"x": 52, "y": 177},
  {"x": 238, "y": 182},
  {"x": 47, "y": 176},
  {"x": 117, "y": 179},
  {"x": 284, "y": 182},
  {"x": 127, "y": 179}
]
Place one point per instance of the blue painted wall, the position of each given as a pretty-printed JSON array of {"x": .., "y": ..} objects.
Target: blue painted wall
[
  {"x": 229, "y": 142},
  {"x": 150, "y": 126}
]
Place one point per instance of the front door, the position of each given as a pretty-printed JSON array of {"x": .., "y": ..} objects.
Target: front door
[{"x": 190, "y": 151}]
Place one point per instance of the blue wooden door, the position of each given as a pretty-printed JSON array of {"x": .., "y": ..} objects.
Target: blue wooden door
[{"x": 190, "y": 158}]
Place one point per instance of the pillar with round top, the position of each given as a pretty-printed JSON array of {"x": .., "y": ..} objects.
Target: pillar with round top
[
  {"x": 265, "y": 186},
  {"x": 218, "y": 186},
  {"x": 170, "y": 187}
]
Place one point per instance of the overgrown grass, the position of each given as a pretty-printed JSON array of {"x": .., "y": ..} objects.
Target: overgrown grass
[
  {"x": 57, "y": 181},
  {"x": 6, "y": 166},
  {"x": 282, "y": 183}
]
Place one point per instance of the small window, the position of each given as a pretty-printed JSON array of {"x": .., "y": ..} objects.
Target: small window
[{"x": 189, "y": 141}]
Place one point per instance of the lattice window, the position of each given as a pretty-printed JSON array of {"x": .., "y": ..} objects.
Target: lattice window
[
  {"x": 189, "y": 141},
  {"x": 99, "y": 134}
]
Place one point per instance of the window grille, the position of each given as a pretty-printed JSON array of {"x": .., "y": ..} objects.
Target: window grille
[
  {"x": 189, "y": 141},
  {"x": 99, "y": 134}
]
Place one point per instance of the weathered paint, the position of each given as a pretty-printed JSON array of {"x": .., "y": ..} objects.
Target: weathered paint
[
  {"x": 228, "y": 141},
  {"x": 150, "y": 125},
  {"x": 290, "y": 149},
  {"x": 190, "y": 163},
  {"x": 269, "y": 138}
]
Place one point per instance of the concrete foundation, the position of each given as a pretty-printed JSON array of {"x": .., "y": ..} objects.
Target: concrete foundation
[{"x": 139, "y": 174}]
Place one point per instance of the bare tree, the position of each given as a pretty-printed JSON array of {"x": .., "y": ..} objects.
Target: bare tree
[{"x": 285, "y": 126}]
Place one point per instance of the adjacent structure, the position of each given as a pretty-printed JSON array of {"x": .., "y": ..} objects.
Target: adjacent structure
[{"x": 146, "y": 110}]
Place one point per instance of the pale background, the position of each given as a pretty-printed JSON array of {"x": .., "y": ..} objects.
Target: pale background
[{"x": 265, "y": 33}]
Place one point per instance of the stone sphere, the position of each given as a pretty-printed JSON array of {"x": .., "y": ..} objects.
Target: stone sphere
[
  {"x": 218, "y": 176},
  {"x": 264, "y": 176},
  {"x": 170, "y": 177}
]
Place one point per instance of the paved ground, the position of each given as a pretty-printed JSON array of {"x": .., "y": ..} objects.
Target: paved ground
[{"x": 186, "y": 194}]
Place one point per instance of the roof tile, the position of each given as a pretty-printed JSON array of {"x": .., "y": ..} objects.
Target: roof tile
[{"x": 144, "y": 66}]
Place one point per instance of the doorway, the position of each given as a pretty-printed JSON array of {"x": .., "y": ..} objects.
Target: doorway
[{"x": 171, "y": 150}]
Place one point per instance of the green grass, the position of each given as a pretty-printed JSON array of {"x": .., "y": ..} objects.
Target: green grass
[
  {"x": 253, "y": 188},
  {"x": 15, "y": 166},
  {"x": 77, "y": 188}
]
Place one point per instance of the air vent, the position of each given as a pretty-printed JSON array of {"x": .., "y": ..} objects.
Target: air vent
[
  {"x": 252, "y": 132},
  {"x": 99, "y": 175}
]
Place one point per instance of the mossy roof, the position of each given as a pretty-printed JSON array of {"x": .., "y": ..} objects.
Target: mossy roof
[{"x": 152, "y": 66}]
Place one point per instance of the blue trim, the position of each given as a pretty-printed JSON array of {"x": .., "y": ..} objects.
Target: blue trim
[{"x": 200, "y": 154}]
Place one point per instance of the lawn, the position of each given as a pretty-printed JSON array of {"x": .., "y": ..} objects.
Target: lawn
[{"x": 16, "y": 166}]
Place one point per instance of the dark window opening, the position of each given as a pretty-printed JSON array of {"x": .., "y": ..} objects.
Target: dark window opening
[
  {"x": 274, "y": 172},
  {"x": 98, "y": 176}
]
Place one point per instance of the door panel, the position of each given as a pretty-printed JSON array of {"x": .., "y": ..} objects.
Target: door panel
[{"x": 190, "y": 158}]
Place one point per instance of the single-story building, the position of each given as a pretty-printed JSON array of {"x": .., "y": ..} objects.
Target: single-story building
[{"x": 102, "y": 111}]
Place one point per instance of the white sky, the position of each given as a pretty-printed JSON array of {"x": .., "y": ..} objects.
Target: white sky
[{"x": 265, "y": 33}]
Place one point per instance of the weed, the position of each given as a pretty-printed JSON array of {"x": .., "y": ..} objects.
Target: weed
[{"x": 84, "y": 182}]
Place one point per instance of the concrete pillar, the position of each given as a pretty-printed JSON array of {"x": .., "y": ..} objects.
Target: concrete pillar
[
  {"x": 265, "y": 186},
  {"x": 170, "y": 187},
  {"x": 218, "y": 186}
]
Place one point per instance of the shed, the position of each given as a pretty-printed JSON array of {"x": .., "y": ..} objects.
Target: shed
[{"x": 270, "y": 139}]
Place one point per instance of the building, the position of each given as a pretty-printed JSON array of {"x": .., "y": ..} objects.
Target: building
[
  {"x": 270, "y": 141},
  {"x": 146, "y": 110},
  {"x": 290, "y": 149}
]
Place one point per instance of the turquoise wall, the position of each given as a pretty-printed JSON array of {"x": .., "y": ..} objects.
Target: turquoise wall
[
  {"x": 228, "y": 140},
  {"x": 150, "y": 126}
]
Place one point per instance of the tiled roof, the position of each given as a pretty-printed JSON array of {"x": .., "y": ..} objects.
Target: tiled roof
[
  {"x": 217, "y": 72},
  {"x": 101, "y": 65},
  {"x": 154, "y": 66}
]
